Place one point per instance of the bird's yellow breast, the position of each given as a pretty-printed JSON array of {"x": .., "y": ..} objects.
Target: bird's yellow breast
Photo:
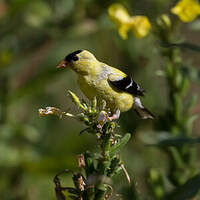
[{"x": 97, "y": 84}]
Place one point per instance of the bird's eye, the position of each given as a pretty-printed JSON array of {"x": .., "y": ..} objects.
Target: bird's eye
[
  {"x": 72, "y": 56},
  {"x": 75, "y": 58}
]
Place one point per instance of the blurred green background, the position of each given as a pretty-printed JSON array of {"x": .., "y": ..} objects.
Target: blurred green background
[{"x": 34, "y": 37}]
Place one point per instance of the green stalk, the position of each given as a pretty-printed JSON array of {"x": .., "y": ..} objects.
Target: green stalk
[
  {"x": 3, "y": 98},
  {"x": 98, "y": 169}
]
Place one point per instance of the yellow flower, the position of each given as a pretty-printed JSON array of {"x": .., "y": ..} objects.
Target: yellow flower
[
  {"x": 141, "y": 26},
  {"x": 124, "y": 22},
  {"x": 119, "y": 15},
  {"x": 187, "y": 10}
]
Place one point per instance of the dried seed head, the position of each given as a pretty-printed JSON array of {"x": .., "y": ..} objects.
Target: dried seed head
[
  {"x": 81, "y": 161},
  {"x": 50, "y": 111}
]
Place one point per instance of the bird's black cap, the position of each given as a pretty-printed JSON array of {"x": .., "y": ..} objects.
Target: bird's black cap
[{"x": 72, "y": 56}]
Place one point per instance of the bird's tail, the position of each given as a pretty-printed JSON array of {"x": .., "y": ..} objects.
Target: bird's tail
[{"x": 143, "y": 112}]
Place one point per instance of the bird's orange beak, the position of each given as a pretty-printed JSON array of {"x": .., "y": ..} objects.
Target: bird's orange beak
[{"x": 62, "y": 64}]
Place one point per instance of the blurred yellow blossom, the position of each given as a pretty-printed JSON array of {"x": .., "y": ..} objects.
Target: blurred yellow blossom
[
  {"x": 119, "y": 15},
  {"x": 187, "y": 10},
  {"x": 140, "y": 25}
]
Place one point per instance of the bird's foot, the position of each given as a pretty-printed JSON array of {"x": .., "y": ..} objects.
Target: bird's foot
[
  {"x": 116, "y": 115},
  {"x": 104, "y": 118}
]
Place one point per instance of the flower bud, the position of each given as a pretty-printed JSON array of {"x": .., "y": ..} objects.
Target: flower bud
[
  {"x": 76, "y": 100},
  {"x": 164, "y": 21}
]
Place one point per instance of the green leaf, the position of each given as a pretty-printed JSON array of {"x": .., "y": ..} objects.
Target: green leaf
[
  {"x": 177, "y": 141},
  {"x": 94, "y": 104},
  {"x": 89, "y": 193},
  {"x": 120, "y": 144},
  {"x": 184, "y": 45},
  {"x": 191, "y": 72},
  {"x": 89, "y": 164},
  {"x": 72, "y": 197},
  {"x": 100, "y": 192},
  {"x": 189, "y": 103},
  {"x": 115, "y": 166},
  {"x": 188, "y": 190},
  {"x": 190, "y": 121},
  {"x": 130, "y": 192},
  {"x": 71, "y": 190}
]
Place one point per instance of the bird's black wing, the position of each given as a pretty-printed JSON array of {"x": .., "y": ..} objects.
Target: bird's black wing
[{"x": 126, "y": 84}]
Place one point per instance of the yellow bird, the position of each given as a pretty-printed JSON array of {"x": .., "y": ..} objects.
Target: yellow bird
[{"x": 97, "y": 79}]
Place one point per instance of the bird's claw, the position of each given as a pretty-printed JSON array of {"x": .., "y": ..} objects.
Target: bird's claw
[
  {"x": 116, "y": 115},
  {"x": 104, "y": 118}
]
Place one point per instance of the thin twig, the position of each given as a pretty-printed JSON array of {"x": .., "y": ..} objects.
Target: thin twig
[{"x": 126, "y": 174}]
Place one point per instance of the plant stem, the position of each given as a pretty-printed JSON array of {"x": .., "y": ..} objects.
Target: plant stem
[{"x": 3, "y": 98}]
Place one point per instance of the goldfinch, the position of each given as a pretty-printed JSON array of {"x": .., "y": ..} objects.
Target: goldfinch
[{"x": 97, "y": 79}]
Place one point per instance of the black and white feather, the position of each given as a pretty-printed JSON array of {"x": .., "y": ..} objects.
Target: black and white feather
[{"x": 127, "y": 84}]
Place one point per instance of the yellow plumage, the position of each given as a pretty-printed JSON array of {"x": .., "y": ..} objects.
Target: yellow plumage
[
  {"x": 94, "y": 85},
  {"x": 95, "y": 79}
]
